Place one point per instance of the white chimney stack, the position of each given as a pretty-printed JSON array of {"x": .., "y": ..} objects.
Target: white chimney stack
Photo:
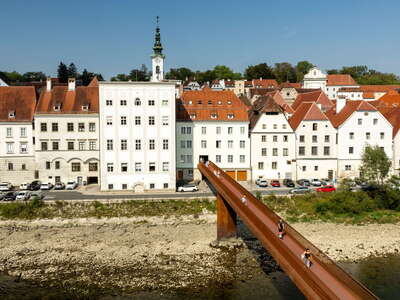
[
  {"x": 48, "y": 84},
  {"x": 319, "y": 106},
  {"x": 340, "y": 103},
  {"x": 71, "y": 84}
]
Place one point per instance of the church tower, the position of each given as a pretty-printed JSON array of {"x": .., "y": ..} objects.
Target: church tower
[{"x": 157, "y": 58}]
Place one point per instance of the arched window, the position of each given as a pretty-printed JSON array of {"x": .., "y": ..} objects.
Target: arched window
[
  {"x": 158, "y": 69},
  {"x": 314, "y": 126},
  {"x": 137, "y": 102}
]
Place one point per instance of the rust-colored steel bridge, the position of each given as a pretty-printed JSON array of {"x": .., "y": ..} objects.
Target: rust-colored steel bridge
[{"x": 324, "y": 280}]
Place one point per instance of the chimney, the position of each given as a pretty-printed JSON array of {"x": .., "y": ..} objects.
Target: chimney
[
  {"x": 260, "y": 78},
  {"x": 340, "y": 103},
  {"x": 71, "y": 84},
  {"x": 48, "y": 84},
  {"x": 319, "y": 106}
]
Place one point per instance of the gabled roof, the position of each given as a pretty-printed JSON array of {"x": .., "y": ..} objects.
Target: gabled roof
[
  {"x": 340, "y": 79},
  {"x": 338, "y": 119},
  {"x": 71, "y": 102},
  {"x": 203, "y": 105},
  {"x": 392, "y": 98},
  {"x": 393, "y": 116},
  {"x": 2, "y": 83},
  {"x": 307, "y": 111},
  {"x": 264, "y": 104},
  {"x": 245, "y": 100},
  {"x": 316, "y": 96},
  {"x": 94, "y": 82},
  {"x": 19, "y": 100},
  {"x": 260, "y": 92}
]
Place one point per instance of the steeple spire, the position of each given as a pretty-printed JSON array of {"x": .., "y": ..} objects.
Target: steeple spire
[{"x": 157, "y": 40}]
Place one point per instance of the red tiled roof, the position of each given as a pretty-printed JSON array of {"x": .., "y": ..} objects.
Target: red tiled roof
[
  {"x": 391, "y": 99},
  {"x": 296, "y": 85},
  {"x": 393, "y": 116},
  {"x": 340, "y": 79},
  {"x": 265, "y": 83},
  {"x": 260, "y": 92},
  {"x": 248, "y": 83},
  {"x": 379, "y": 88},
  {"x": 229, "y": 83},
  {"x": 71, "y": 101},
  {"x": 307, "y": 111},
  {"x": 349, "y": 90},
  {"x": 368, "y": 95},
  {"x": 338, "y": 119},
  {"x": 222, "y": 105},
  {"x": 94, "y": 82},
  {"x": 317, "y": 96},
  {"x": 21, "y": 100}
]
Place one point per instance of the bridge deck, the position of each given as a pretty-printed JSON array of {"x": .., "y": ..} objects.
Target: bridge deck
[{"x": 324, "y": 280}]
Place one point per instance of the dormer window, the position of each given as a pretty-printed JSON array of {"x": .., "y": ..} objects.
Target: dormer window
[
  {"x": 193, "y": 116},
  {"x": 214, "y": 116},
  {"x": 190, "y": 102},
  {"x": 85, "y": 107},
  {"x": 229, "y": 102},
  {"x": 199, "y": 102},
  {"x": 230, "y": 116},
  {"x": 209, "y": 102},
  {"x": 219, "y": 102},
  {"x": 57, "y": 107},
  {"x": 11, "y": 114}
]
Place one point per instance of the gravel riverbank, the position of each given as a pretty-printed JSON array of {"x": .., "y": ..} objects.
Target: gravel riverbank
[{"x": 145, "y": 253}]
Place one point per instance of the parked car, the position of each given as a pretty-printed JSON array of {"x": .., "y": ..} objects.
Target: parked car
[
  {"x": 316, "y": 182},
  {"x": 10, "y": 196},
  {"x": 35, "y": 185},
  {"x": 5, "y": 186},
  {"x": 2, "y": 195},
  {"x": 288, "y": 182},
  {"x": 23, "y": 195},
  {"x": 25, "y": 186},
  {"x": 36, "y": 195},
  {"x": 71, "y": 185},
  {"x": 326, "y": 189},
  {"x": 262, "y": 183},
  {"x": 300, "y": 190},
  {"x": 275, "y": 183},
  {"x": 46, "y": 186},
  {"x": 303, "y": 182},
  {"x": 59, "y": 186},
  {"x": 188, "y": 188}
]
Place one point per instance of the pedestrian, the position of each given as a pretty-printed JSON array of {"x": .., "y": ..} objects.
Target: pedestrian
[
  {"x": 281, "y": 229},
  {"x": 306, "y": 257},
  {"x": 244, "y": 200},
  {"x": 207, "y": 163}
]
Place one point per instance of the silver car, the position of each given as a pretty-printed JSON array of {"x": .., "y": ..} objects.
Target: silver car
[
  {"x": 188, "y": 188},
  {"x": 23, "y": 195}
]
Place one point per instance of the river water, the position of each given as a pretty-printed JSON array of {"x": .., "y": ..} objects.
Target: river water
[{"x": 380, "y": 275}]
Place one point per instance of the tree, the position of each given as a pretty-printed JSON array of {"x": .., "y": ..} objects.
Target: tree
[
  {"x": 141, "y": 74},
  {"x": 302, "y": 68},
  {"x": 259, "y": 71},
  {"x": 207, "y": 76},
  {"x": 180, "y": 74},
  {"x": 33, "y": 76},
  {"x": 375, "y": 165},
  {"x": 72, "y": 71},
  {"x": 62, "y": 73},
  {"x": 120, "y": 77},
  {"x": 223, "y": 72},
  {"x": 284, "y": 72}
]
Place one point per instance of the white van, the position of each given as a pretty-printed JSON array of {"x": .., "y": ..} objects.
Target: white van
[{"x": 5, "y": 186}]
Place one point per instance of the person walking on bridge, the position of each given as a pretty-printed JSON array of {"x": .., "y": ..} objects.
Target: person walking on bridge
[
  {"x": 306, "y": 257},
  {"x": 281, "y": 229}
]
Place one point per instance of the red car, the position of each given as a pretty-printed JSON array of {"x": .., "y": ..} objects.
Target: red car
[
  {"x": 275, "y": 183},
  {"x": 326, "y": 189}
]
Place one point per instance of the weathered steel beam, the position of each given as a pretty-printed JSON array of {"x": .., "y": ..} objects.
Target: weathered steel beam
[{"x": 226, "y": 219}]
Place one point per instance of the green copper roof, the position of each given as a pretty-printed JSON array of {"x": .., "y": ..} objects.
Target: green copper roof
[{"x": 157, "y": 41}]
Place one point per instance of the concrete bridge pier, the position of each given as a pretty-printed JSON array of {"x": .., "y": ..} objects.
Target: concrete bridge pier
[{"x": 226, "y": 220}]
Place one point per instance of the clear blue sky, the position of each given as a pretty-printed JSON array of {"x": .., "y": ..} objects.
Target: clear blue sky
[{"x": 114, "y": 36}]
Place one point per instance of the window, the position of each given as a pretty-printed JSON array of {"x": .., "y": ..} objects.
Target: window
[
  {"x": 76, "y": 167},
  {"x": 284, "y": 126},
  {"x": 152, "y": 144},
  {"x": 327, "y": 139},
  {"x": 10, "y": 166},
  {"x": 263, "y": 138},
  {"x": 203, "y": 130},
  {"x": 123, "y": 120},
  {"x": 23, "y": 131},
  {"x": 274, "y": 165},
  {"x": 183, "y": 130},
  {"x": 81, "y": 145},
  {"x": 152, "y": 167},
  {"x": 92, "y": 127},
  {"x": 110, "y": 145},
  {"x": 301, "y": 139},
  {"x": 214, "y": 116},
  {"x": 43, "y": 127},
  {"x": 164, "y": 102},
  {"x": 218, "y": 130},
  {"x": 110, "y": 167},
  {"x": 165, "y": 166},
  {"x": 241, "y": 158},
  {"x": 151, "y": 120},
  {"x": 124, "y": 144},
  {"x": 275, "y": 152},
  {"x": 230, "y": 158},
  {"x": 359, "y": 121},
  {"x": 218, "y": 158},
  {"x": 93, "y": 167},
  {"x": 382, "y": 134},
  {"x": 230, "y": 144},
  {"x": 367, "y": 135},
  {"x": 138, "y": 145},
  {"x": 203, "y": 144},
  {"x": 242, "y": 130},
  {"x": 151, "y": 102},
  {"x": 217, "y": 144},
  {"x": 274, "y": 138},
  {"x": 375, "y": 121},
  {"x": 275, "y": 126},
  {"x": 327, "y": 151},
  {"x": 92, "y": 145},
  {"x": 302, "y": 151},
  {"x": 347, "y": 167},
  {"x": 165, "y": 144},
  {"x": 230, "y": 116},
  {"x": 314, "y": 150},
  {"x": 304, "y": 168},
  {"x": 314, "y": 139},
  {"x": 189, "y": 158},
  {"x": 285, "y": 138},
  {"x": 124, "y": 186},
  {"x": 109, "y": 120},
  {"x": 264, "y": 126},
  {"x": 285, "y": 151},
  {"x": 183, "y": 144},
  {"x": 351, "y": 150},
  {"x": 43, "y": 146},
  {"x": 242, "y": 144},
  {"x": 351, "y": 135},
  {"x": 137, "y": 120},
  {"x": 230, "y": 130},
  {"x": 165, "y": 120},
  {"x": 124, "y": 167},
  {"x": 314, "y": 126},
  {"x": 70, "y": 127},
  {"x": 123, "y": 102},
  {"x": 138, "y": 167},
  {"x": 110, "y": 186},
  {"x": 138, "y": 102},
  {"x": 54, "y": 127},
  {"x": 23, "y": 148},
  {"x": 261, "y": 166},
  {"x": 263, "y": 151},
  {"x": 189, "y": 144},
  {"x": 57, "y": 165},
  {"x": 315, "y": 168},
  {"x": 108, "y": 102},
  {"x": 165, "y": 185},
  {"x": 70, "y": 145},
  {"x": 152, "y": 186}
]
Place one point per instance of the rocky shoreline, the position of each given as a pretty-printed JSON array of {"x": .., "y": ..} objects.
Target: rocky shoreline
[{"x": 148, "y": 253}]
